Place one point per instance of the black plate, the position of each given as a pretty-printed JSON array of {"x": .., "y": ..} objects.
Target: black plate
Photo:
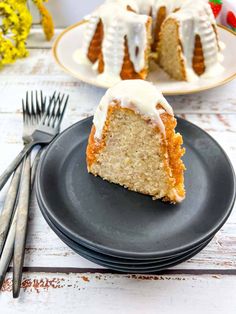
[
  {"x": 115, "y": 264},
  {"x": 115, "y": 261},
  {"x": 112, "y": 220},
  {"x": 146, "y": 269}
]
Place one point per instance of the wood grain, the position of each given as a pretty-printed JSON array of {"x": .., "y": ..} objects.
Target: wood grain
[
  {"x": 43, "y": 246},
  {"x": 40, "y": 71},
  {"x": 99, "y": 293},
  {"x": 53, "y": 281}
]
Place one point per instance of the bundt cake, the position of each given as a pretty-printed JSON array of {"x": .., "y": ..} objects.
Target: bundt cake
[
  {"x": 188, "y": 44},
  {"x": 117, "y": 41},
  {"x": 133, "y": 142},
  {"x": 181, "y": 34}
]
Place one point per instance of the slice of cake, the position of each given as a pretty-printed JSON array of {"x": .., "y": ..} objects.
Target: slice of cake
[{"x": 133, "y": 142}]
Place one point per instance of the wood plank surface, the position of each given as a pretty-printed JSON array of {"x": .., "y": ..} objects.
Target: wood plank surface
[
  {"x": 121, "y": 294},
  {"x": 56, "y": 278},
  {"x": 43, "y": 246},
  {"x": 40, "y": 71}
]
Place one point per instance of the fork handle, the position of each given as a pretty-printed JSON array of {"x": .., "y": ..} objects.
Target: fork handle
[
  {"x": 9, "y": 206},
  {"x": 21, "y": 227},
  {"x": 7, "y": 252},
  {"x": 14, "y": 164}
]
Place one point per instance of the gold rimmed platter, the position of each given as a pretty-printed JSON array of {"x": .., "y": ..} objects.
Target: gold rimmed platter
[{"x": 70, "y": 40}]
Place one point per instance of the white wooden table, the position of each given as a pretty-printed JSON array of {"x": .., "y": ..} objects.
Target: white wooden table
[{"x": 56, "y": 279}]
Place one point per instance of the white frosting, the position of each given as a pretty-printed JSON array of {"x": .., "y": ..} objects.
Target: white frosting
[
  {"x": 141, "y": 96},
  {"x": 145, "y": 7},
  {"x": 170, "y": 5},
  {"x": 195, "y": 17},
  {"x": 125, "y": 3},
  {"x": 91, "y": 27},
  {"x": 118, "y": 23}
]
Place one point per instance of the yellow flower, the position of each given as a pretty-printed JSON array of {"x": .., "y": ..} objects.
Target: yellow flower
[
  {"x": 47, "y": 21},
  {"x": 16, "y": 22}
]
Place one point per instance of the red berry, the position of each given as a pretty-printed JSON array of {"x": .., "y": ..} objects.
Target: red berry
[
  {"x": 216, "y": 8},
  {"x": 231, "y": 19}
]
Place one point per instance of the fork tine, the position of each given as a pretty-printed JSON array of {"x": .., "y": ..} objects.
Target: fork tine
[
  {"x": 38, "y": 108},
  {"x": 54, "y": 114},
  {"x": 23, "y": 110},
  {"x": 33, "y": 107},
  {"x": 57, "y": 115},
  {"x": 47, "y": 113},
  {"x": 28, "y": 111},
  {"x": 37, "y": 103},
  {"x": 53, "y": 96},
  {"x": 38, "y": 113},
  {"x": 62, "y": 113},
  {"x": 42, "y": 102},
  {"x": 27, "y": 104},
  {"x": 40, "y": 105},
  {"x": 31, "y": 131},
  {"x": 56, "y": 100},
  {"x": 32, "y": 104},
  {"x": 61, "y": 100},
  {"x": 27, "y": 98}
]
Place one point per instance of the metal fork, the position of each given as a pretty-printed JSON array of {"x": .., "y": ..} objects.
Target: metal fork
[
  {"x": 33, "y": 109},
  {"x": 17, "y": 232},
  {"x": 50, "y": 123},
  {"x": 38, "y": 131},
  {"x": 38, "y": 105}
]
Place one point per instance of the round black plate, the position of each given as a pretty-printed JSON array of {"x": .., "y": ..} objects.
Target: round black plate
[
  {"x": 115, "y": 261},
  {"x": 112, "y": 220},
  {"x": 146, "y": 268},
  {"x": 115, "y": 264}
]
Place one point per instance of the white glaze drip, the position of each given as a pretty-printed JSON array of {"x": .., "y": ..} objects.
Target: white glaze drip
[
  {"x": 170, "y": 5},
  {"x": 118, "y": 24},
  {"x": 145, "y": 6},
  {"x": 126, "y": 3},
  {"x": 141, "y": 96},
  {"x": 195, "y": 17},
  {"x": 88, "y": 34}
]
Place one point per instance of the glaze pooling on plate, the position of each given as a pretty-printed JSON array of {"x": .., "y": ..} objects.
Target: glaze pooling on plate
[{"x": 139, "y": 95}]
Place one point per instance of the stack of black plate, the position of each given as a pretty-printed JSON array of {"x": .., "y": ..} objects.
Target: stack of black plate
[{"x": 124, "y": 230}]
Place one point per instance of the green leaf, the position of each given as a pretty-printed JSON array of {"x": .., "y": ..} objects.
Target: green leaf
[{"x": 216, "y": 1}]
